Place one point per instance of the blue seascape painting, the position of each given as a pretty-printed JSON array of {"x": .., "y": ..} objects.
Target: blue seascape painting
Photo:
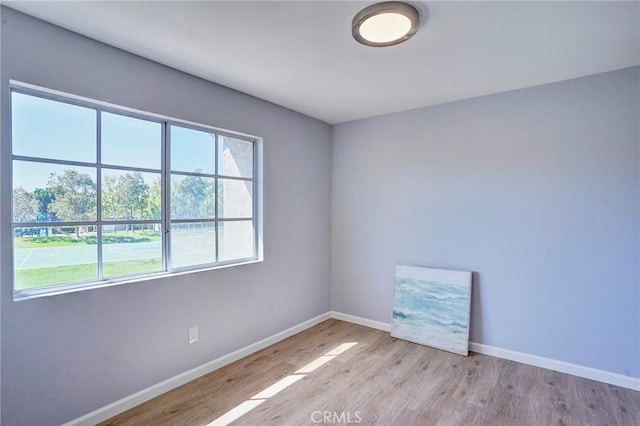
[{"x": 432, "y": 307}]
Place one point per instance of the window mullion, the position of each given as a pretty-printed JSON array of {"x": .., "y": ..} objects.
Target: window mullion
[
  {"x": 215, "y": 194},
  {"x": 165, "y": 195},
  {"x": 99, "y": 192}
]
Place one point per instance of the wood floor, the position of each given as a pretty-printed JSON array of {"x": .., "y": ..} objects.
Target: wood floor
[{"x": 380, "y": 380}]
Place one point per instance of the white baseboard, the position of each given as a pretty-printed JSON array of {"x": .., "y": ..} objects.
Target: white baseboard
[
  {"x": 561, "y": 366},
  {"x": 521, "y": 357},
  {"x": 145, "y": 395},
  {"x": 361, "y": 321}
]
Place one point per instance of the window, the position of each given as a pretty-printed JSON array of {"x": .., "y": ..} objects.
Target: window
[{"x": 103, "y": 194}]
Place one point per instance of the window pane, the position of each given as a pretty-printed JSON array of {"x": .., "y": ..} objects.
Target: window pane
[
  {"x": 61, "y": 192},
  {"x": 131, "y": 249},
  {"x": 235, "y": 157},
  {"x": 130, "y": 141},
  {"x": 186, "y": 142},
  {"x": 128, "y": 195},
  {"x": 193, "y": 244},
  {"x": 192, "y": 197},
  {"x": 235, "y": 198},
  {"x": 54, "y": 255},
  {"x": 51, "y": 129},
  {"x": 235, "y": 240}
]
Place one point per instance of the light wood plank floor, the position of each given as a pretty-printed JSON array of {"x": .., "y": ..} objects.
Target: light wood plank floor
[{"x": 383, "y": 381}]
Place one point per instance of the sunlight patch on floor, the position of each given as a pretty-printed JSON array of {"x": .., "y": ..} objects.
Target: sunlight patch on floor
[{"x": 253, "y": 402}]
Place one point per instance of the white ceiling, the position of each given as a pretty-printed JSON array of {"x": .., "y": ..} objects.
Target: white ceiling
[{"x": 300, "y": 54}]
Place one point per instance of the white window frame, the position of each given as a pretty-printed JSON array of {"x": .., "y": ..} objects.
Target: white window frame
[{"x": 165, "y": 177}]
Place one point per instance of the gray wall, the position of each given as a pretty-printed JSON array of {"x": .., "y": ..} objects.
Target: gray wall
[
  {"x": 536, "y": 190},
  {"x": 65, "y": 356}
]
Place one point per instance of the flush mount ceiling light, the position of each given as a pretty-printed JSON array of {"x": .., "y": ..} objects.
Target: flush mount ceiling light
[{"x": 385, "y": 24}]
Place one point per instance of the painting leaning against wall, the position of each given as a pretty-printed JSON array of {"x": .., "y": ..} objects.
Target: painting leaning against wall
[{"x": 432, "y": 307}]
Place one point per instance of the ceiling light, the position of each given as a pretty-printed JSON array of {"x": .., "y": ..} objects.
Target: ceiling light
[{"x": 385, "y": 24}]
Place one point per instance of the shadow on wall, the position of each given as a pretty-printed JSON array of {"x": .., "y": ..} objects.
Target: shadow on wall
[{"x": 476, "y": 334}]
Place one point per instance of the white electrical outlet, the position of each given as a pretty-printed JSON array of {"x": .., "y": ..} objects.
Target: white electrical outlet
[{"x": 193, "y": 335}]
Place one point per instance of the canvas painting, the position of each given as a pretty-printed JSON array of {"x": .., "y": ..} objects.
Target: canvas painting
[{"x": 432, "y": 307}]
